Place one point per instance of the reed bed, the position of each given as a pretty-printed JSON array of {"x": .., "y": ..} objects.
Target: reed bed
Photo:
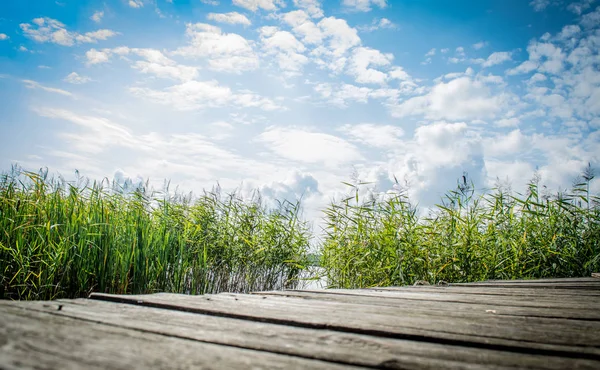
[
  {"x": 65, "y": 240},
  {"x": 383, "y": 240}
]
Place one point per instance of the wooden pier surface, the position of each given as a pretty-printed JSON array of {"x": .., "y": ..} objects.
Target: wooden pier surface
[{"x": 548, "y": 324}]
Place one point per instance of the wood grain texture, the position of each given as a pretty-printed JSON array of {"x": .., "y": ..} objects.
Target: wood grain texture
[
  {"x": 34, "y": 340},
  {"x": 566, "y": 338},
  {"x": 327, "y": 345},
  {"x": 496, "y": 291},
  {"x": 545, "y": 324},
  {"x": 475, "y": 306}
]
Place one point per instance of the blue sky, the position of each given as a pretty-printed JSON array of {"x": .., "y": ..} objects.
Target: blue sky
[{"x": 295, "y": 96}]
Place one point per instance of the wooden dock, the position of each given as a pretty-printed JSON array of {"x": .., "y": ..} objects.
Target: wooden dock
[{"x": 547, "y": 324}]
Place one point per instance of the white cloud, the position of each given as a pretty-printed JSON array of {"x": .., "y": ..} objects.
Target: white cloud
[
  {"x": 97, "y": 16},
  {"x": 187, "y": 155},
  {"x": 194, "y": 95},
  {"x": 231, "y": 18},
  {"x": 341, "y": 37},
  {"x": 364, "y": 5},
  {"x": 285, "y": 48},
  {"x": 508, "y": 122},
  {"x": 228, "y": 52},
  {"x": 94, "y": 56},
  {"x": 495, "y": 58},
  {"x": 50, "y": 30},
  {"x": 312, "y": 7},
  {"x": 525, "y": 67},
  {"x": 254, "y": 5},
  {"x": 154, "y": 63},
  {"x": 77, "y": 79},
  {"x": 210, "y": 2},
  {"x": 304, "y": 27},
  {"x": 36, "y": 85},
  {"x": 378, "y": 136},
  {"x": 461, "y": 98},
  {"x": 569, "y": 31},
  {"x": 377, "y": 24},
  {"x": 136, "y": 4},
  {"x": 480, "y": 45},
  {"x": 592, "y": 19},
  {"x": 430, "y": 53},
  {"x": 579, "y": 7},
  {"x": 511, "y": 144},
  {"x": 3, "y": 36},
  {"x": 300, "y": 145},
  {"x": 361, "y": 65},
  {"x": 539, "y": 5},
  {"x": 544, "y": 56}
]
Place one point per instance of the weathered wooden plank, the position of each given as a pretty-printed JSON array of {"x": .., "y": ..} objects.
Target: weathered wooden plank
[
  {"x": 536, "y": 281},
  {"x": 549, "y": 286},
  {"x": 596, "y": 275},
  {"x": 524, "y": 292},
  {"x": 435, "y": 308},
  {"x": 565, "y": 338},
  {"x": 325, "y": 345},
  {"x": 34, "y": 340},
  {"x": 585, "y": 283},
  {"x": 577, "y": 303}
]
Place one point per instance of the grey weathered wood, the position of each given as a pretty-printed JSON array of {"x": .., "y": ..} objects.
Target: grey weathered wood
[
  {"x": 596, "y": 275},
  {"x": 587, "y": 283},
  {"x": 577, "y": 303},
  {"x": 448, "y": 308},
  {"x": 34, "y": 340},
  {"x": 496, "y": 291},
  {"x": 325, "y": 345},
  {"x": 538, "y": 335},
  {"x": 534, "y": 281}
]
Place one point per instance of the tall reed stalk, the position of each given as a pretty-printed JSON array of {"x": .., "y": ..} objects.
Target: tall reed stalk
[
  {"x": 59, "y": 239},
  {"x": 382, "y": 241}
]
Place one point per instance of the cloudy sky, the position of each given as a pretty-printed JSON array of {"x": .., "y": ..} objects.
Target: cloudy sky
[{"x": 294, "y": 96}]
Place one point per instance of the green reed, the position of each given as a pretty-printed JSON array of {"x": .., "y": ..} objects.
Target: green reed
[
  {"x": 59, "y": 239},
  {"x": 382, "y": 240}
]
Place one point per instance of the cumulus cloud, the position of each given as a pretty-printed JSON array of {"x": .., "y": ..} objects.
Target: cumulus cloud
[
  {"x": 284, "y": 48},
  {"x": 227, "y": 52},
  {"x": 154, "y": 62},
  {"x": 495, "y": 58},
  {"x": 75, "y": 78},
  {"x": 364, "y": 5},
  {"x": 539, "y": 5},
  {"x": 461, "y": 98},
  {"x": 231, "y": 18},
  {"x": 3, "y": 37},
  {"x": 50, "y": 30},
  {"x": 97, "y": 16},
  {"x": 255, "y": 5},
  {"x": 363, "y": 65},
  {"x": 311, "y": 7},
  {"x": 136, "y": 3}
]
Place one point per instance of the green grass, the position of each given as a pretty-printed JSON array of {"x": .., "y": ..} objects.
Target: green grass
[
  {"x": 382, "y": 241},
  {"x": 63, "y": 240}
]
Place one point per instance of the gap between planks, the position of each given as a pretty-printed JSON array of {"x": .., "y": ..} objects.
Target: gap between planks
[{"x": 554, "y": 337}]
